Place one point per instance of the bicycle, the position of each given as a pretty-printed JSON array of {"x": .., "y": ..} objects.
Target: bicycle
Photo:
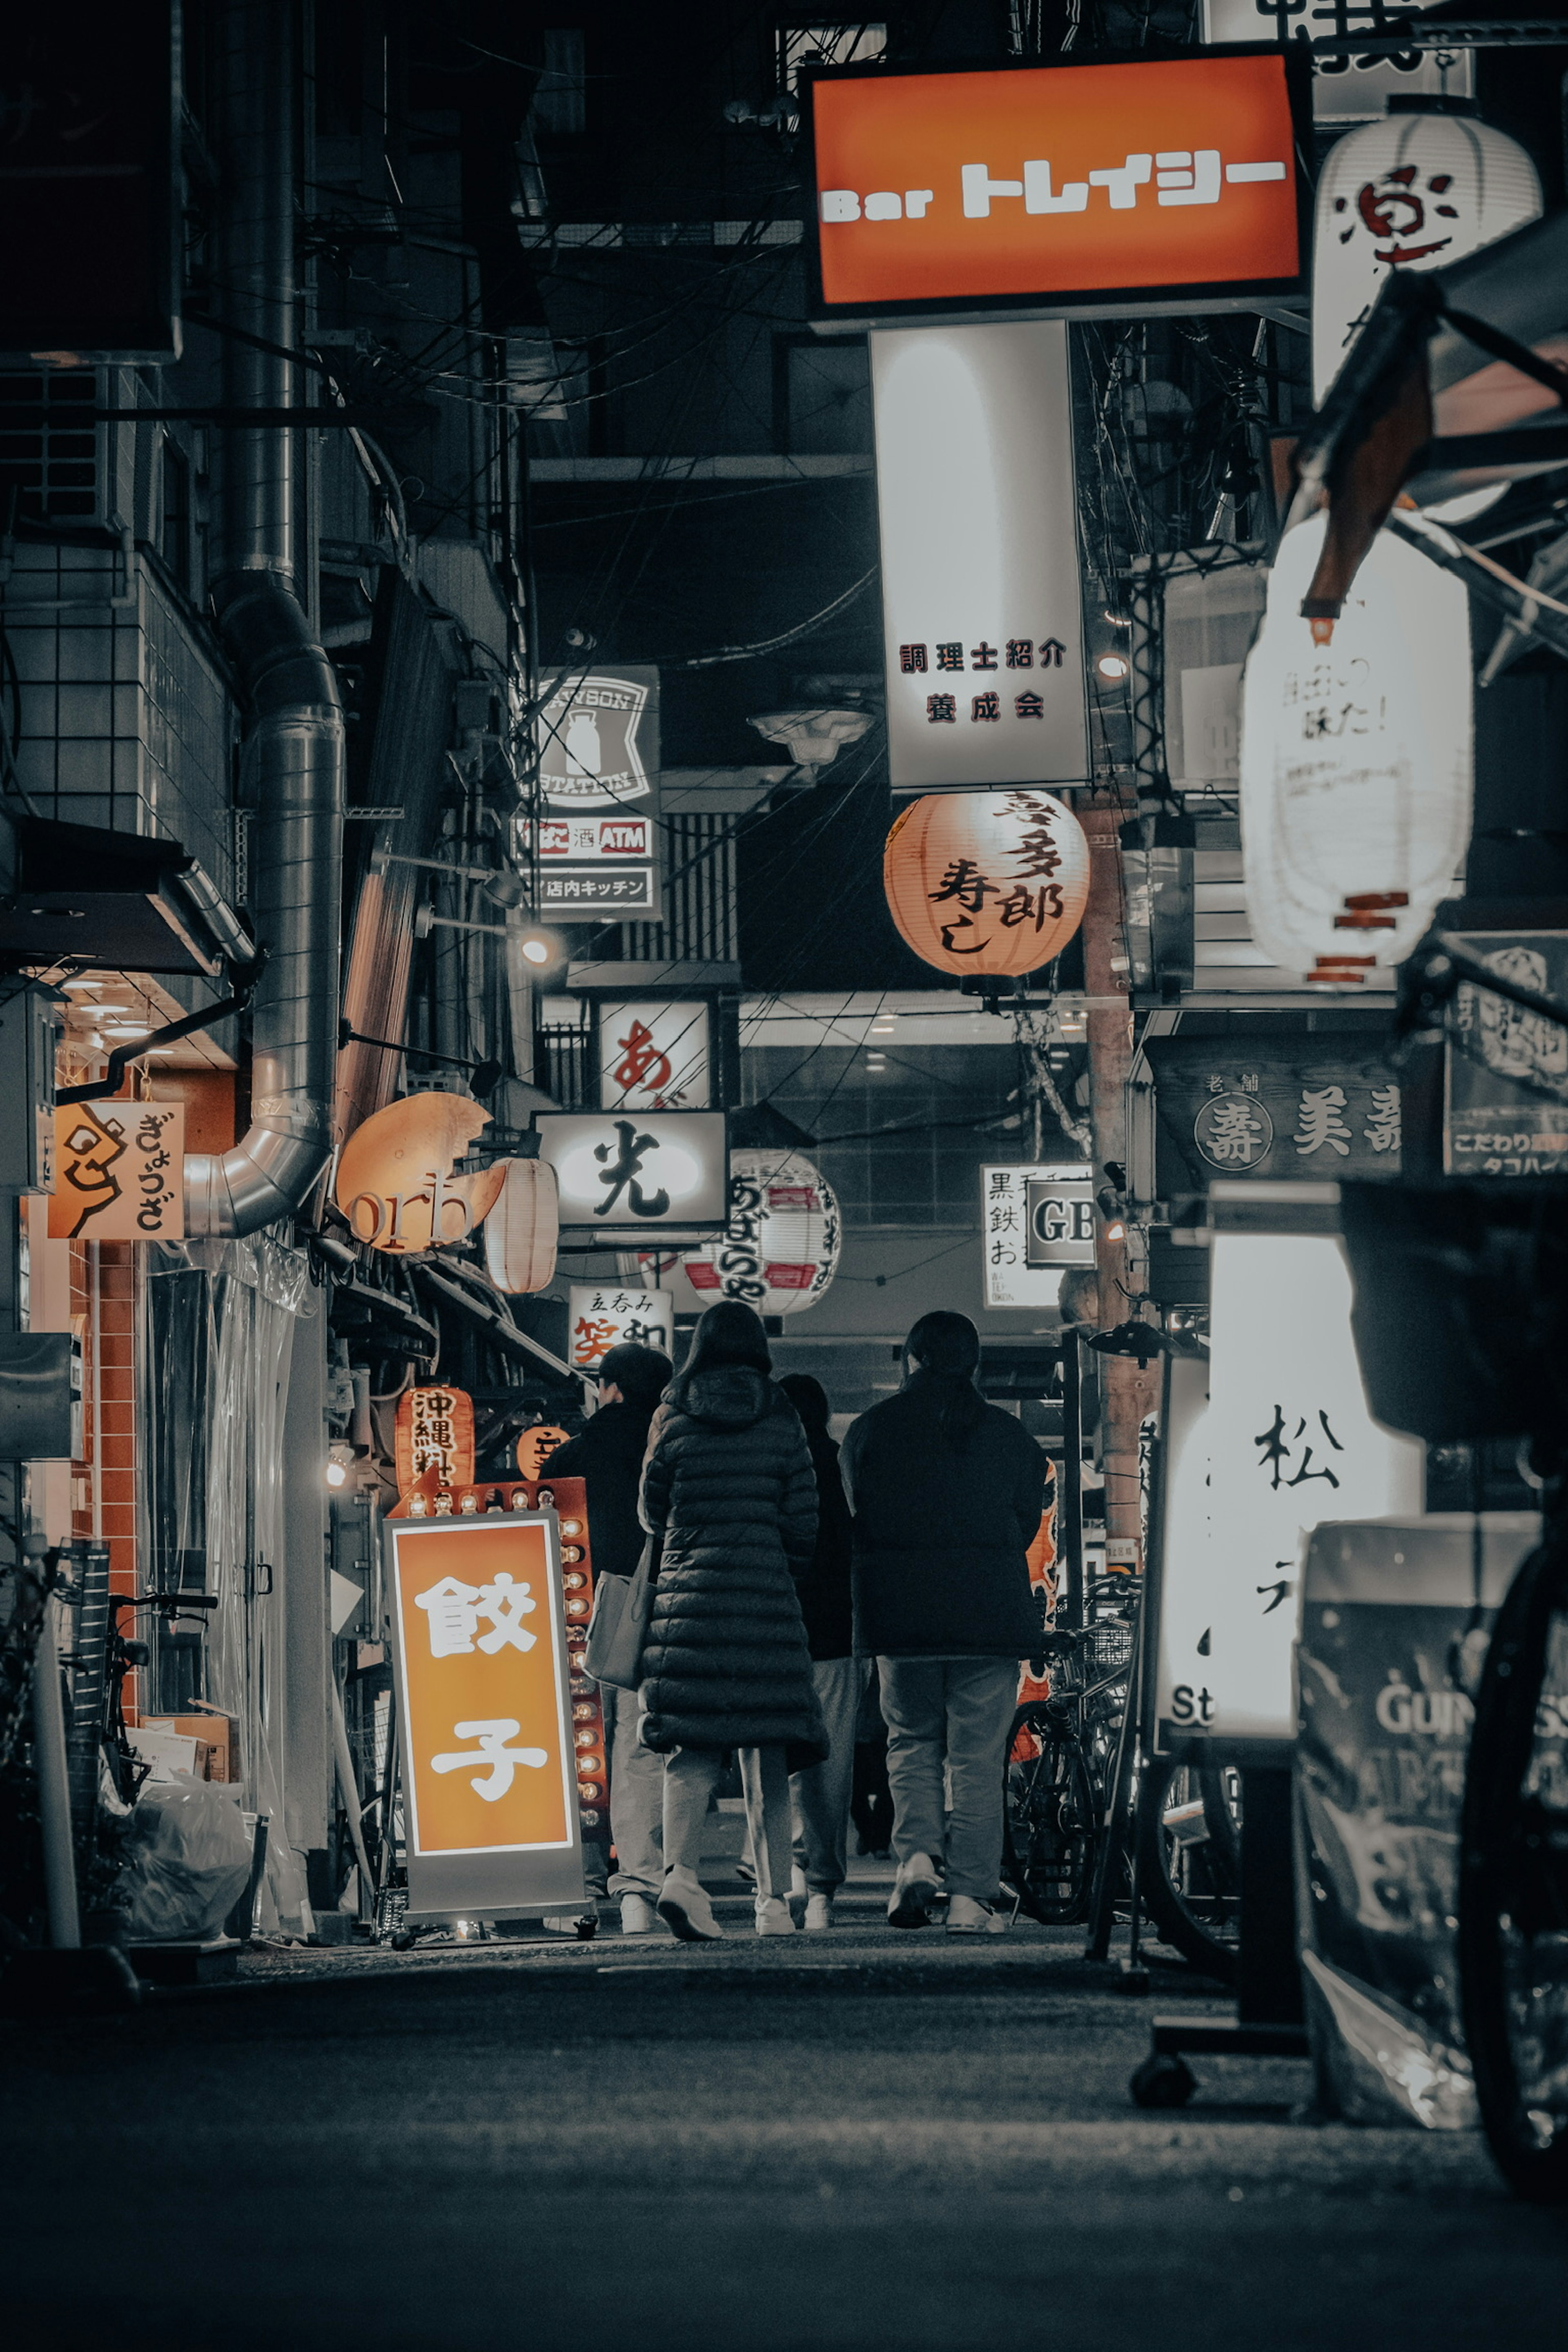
[
  {"x": 1058, "y": 1765},
  {"x": 1188, "y": 1852}
]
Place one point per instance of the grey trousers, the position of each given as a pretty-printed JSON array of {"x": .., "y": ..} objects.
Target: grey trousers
[
  {"x": 951, "y": 1712},
  {"x": 690, "y": 1777},
  {"x": 636, "y": 1797},
  {"x": 821, "y": 1791}
]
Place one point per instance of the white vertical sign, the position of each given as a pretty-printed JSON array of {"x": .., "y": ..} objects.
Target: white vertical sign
[
  {"x": 654, "y": 1056},
  {"x": 982, "y": 600},
  {"x": 1287, "y": 1443}
]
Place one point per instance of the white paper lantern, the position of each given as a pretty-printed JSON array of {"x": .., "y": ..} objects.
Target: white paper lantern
[
  {"x": 781, "y": 1250},
  {"x": 1411, "y": 192},
  {"x": 522, "y": 1229},
  {"x": 1356, "y": 762}
]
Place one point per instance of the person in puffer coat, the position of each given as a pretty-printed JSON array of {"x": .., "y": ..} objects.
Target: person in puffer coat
[{"x": 729, "y": 1489}]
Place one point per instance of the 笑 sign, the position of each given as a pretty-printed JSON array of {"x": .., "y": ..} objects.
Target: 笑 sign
[
  {"x": 982, "y": 601},
  {"x": 605, "y": 1315},
  {"x": 598, "y": 766},
  {"x": 625, "y": 1174},
  {"x": 1036, "y": 1221},
  {"x": 1164, "y": 185},
  {"x": 485, "y": 1721},
  {"x": 1285, "y": 1442},
  {"x": 654, "y": 1056},
  {"x": 118, "y": 1172},
  {"x": 433, "y": 1430}
]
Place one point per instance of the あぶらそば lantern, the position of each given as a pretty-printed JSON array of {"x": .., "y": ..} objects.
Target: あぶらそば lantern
[
  {"x": 521, "y": 1230},
  {"x": 988, "y": 882},
  {"x": 780, "y": 1251},
  {"x": 1356, "y": 762}
]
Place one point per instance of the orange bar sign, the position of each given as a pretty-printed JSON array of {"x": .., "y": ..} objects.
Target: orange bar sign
[
  {"x": 1071, "y": 185},
  {"x": 489, "y": 1783}
]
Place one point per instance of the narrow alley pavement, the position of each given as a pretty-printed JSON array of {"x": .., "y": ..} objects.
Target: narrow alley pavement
[{"x": 850, "y": 2140}]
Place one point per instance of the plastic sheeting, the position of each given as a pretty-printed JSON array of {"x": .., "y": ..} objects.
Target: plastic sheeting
[
  {"x": 188, "y": 1861},
  {"x": 217, "y": 1339},
  {"x": 1380, "y": 1772}
]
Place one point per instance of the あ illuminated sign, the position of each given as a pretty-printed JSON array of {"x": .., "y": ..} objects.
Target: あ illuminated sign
[
  {"x": 654, "y": 1056},
  {"x": 485, "y": 1718},
  {"x": 1160, "y": 186}
]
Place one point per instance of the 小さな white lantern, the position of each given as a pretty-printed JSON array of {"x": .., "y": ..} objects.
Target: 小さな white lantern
[
  {"x": 780, "y": 1251},
  {"x": 1356, "y": 762}
]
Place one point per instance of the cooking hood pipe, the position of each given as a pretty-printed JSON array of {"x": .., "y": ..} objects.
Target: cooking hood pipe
[{"x": 292, "y": 761}]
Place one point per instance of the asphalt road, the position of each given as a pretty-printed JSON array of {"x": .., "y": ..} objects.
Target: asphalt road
[{"x": 860, "y": 2140}]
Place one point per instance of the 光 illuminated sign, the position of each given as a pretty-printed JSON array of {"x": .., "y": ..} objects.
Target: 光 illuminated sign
[
  {"x": 486, "y": 1718},
  {"x": 1170, "y": 184},
  {"x": 630, "y": 1173}
]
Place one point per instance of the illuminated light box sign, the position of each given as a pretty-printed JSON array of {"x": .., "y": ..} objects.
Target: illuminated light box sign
[
  {"x": 1507, "y": 1112},
  {"x": 1155, "y": 185},
  {"x": 1035, "y": 1222},
  {"x": 484, "y": 1671},
  {"x": 982, "y": 598},
  {"x": 654, "y": 1056},
  {"x": 597, "y": 843},
  {"x": 628, "y": 1174},
  {"x": 605, "y": 1315},
  {"x": 1272, "y": 1441}
]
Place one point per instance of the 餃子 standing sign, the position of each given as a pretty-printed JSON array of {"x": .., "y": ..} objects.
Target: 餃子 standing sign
[
  {"x": 486, "y": 1714},
  {"x": 1165, "y": 185}
]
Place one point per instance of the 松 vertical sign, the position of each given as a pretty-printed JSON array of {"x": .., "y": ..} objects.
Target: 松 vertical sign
[
  {"x": 486, "y": 1721},
  {"x": 1286, "y": 1443},
  {"x": 981, "y": 597}
]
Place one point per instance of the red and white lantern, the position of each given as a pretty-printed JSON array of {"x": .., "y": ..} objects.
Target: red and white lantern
[{"x": 781, "y": 1250}]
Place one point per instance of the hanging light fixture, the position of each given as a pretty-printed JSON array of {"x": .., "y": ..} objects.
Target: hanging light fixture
[
  {"x": 992, "y": 884},
  {"x": 780, "y": 1251},
  {"x": 1356, "y": 759}
]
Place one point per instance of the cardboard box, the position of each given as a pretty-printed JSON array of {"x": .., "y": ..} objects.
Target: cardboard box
[
  {"x": 216, "y": 1736},
  {"x": 169, "y": 1753}
]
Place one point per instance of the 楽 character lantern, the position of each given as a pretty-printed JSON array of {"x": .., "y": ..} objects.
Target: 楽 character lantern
[
  {"x": 780, "y": 1251},
  {"x": 987, "y": 882}
]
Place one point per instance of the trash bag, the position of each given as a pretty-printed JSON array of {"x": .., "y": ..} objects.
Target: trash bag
[{"x": 188, "y": 1864}]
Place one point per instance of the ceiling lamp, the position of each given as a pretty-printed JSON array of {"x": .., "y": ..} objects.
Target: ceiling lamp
[
  {"x": 813, "y": 737},
  {"x": 989, "y": 884},
  {"x": 780, "y": 1251},
  {"x": 1356, "y": 761}
]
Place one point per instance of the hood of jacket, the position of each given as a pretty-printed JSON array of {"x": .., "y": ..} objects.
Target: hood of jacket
[{"x": 728, "y": 1396}]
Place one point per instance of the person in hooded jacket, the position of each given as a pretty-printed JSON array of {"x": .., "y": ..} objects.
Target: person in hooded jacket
[
  {"x": 729, "y": 1489},
  {"x": 608, "y": 1456},
  {"x": 947, "y": 1493},
  {"x": 821, "y": 1791}
]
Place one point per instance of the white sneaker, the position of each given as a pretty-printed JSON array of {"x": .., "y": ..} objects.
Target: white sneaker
[
  {"x": 797, "y": 1885},
  {"x": 773, "y": 1915},
  {"x": 685, "y": 1909},
  {"x": 818, "y": 1913},
  {"x": 965, "y": 1917},
  {"x": 914, "y": 1891},
  {"x": 636, "y": 1916}
]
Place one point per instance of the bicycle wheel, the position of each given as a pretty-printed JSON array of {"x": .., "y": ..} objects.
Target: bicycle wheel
[
  {"x": 1513, "y": 1883},
  {"x": 1189, "y": 1875},
  {"x": 1048, "y": 1816}
]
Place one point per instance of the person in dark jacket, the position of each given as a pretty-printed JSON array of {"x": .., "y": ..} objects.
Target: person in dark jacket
[
  {"x": 821, "y": 1791},
  {"x": 608, "y": 1456},
  {"x": 947, "y": 1493},
  {"x": 729, "y": 1489}
]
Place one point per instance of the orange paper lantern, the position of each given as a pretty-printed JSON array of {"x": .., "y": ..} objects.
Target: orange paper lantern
[
  {"x": 434, "y": 1430},
  {"x": 395, "y": 1182},
  {"x": 987, "y": 882},
  {"x": 536, "y": 1446}
]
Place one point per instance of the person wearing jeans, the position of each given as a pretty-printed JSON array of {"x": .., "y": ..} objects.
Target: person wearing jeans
[
  {"x": 822, "y": 1792},
  {"x": 608, "y": 1457},
  {"x": 947, "y": 1493}
]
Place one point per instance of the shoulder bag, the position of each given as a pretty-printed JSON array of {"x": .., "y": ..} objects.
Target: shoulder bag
[{"x": 617, "y": 1630}]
